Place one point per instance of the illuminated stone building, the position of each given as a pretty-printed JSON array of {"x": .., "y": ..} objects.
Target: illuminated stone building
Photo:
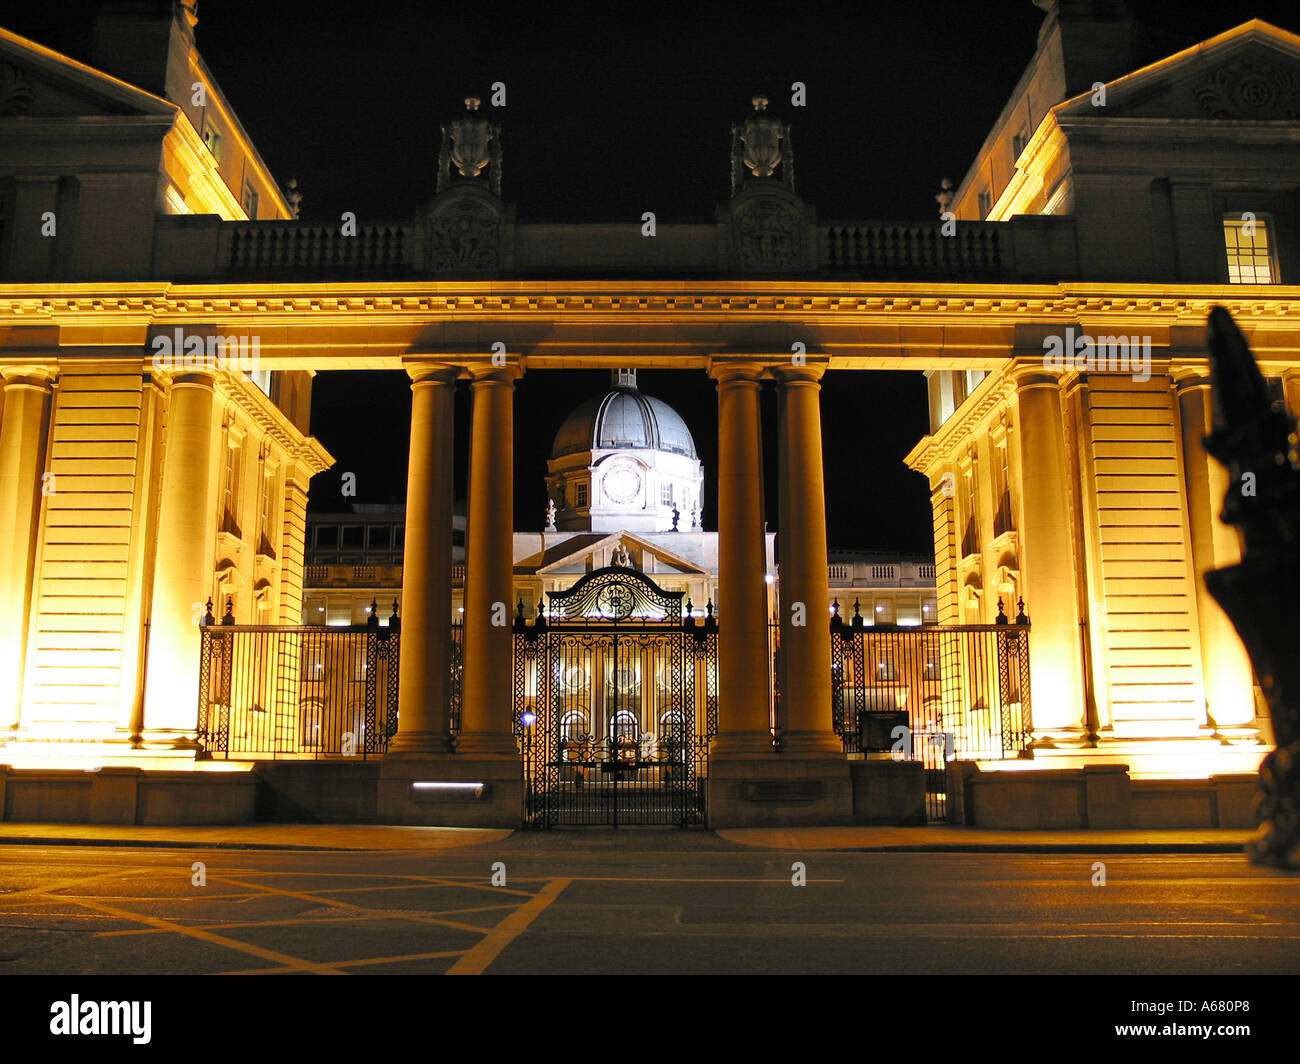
[{"x": 1057, "y": 308}]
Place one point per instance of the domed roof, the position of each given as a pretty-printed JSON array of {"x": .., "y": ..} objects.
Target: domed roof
[{"x": 624, "y": 420}]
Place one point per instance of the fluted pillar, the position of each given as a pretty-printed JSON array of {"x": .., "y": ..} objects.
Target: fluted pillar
[
  {"x": 22, "y": 452},
  {"x": 1229, "y": 681},
  {"x": 805, "y": 609},
  {"x": 743, "y": 668},
  {"x": 182, "y": 576},
  {"x": 1050, "y": 580},
  {"x": 489, "y": 568},
  {"x": 425, "y": 679}
]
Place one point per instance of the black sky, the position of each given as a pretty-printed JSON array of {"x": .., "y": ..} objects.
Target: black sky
[{"x": 620, "y": 108}]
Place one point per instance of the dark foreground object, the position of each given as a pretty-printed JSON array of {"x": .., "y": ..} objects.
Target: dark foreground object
[{"x": 1257, "y": 443}]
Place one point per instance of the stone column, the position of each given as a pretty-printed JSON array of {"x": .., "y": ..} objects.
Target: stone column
[
  {"x": 489, "y": 569},
  {"x": 425, "y": 680},
  {"x": 743, "y": 668},
  {"x": 22, "y": 459},
  {"x": 1229, "y": 681},
  {"x": 182, "y": 575},
  {"x": 805, "y": 606},
  {"x": 1048, "y": 551}
]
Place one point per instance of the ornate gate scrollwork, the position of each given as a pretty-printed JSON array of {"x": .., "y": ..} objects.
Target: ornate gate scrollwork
[{"x": 615, "y": 702}]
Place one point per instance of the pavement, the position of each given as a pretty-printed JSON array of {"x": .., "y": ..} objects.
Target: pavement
[{"x": 373, "y": 838}]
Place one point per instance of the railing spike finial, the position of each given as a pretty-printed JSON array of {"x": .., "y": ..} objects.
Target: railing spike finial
[
  {"x": 208, "y": 617},
  {"x": 394, "y": 621},
  {"x": 372, "y": 621},
  {"x": 1022, "y": 617},
  {"x": 229, "y": 617},
  {"x": 1002, "y": 613}
]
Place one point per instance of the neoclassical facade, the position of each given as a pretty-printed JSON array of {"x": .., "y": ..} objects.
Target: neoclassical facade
[{"x": 1057, "y": 307}]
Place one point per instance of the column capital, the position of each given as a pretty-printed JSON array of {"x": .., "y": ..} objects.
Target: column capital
[
  {"x": 432, "y": 371},
  {"x": 1187, "y": 377},
  {"x": 194, "y": 378},
  {"x": 1026, "y": 374},
  {"x": 810, "y": 372},
  {"x": 42, "y": 377},
  {"x": 486, "y": 372},
  {"x": 730, "y": 370}
]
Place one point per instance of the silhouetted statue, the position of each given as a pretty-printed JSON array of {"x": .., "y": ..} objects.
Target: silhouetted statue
[{"x": 1257, "y": 443}]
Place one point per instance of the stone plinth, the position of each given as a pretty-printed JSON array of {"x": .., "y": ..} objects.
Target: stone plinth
[
  {"x": 407, "y": 797},
  {"x": 773, "y": 790},
  {"x": 888, "y": 792}
]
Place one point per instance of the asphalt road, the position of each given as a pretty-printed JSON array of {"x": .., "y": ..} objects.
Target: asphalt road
[{"x": 638, "y": 902}]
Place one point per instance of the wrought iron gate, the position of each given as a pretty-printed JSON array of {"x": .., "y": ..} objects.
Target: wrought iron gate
[
  {"x": 616, "y": 699},
  {"x": 932, "y": 694}
]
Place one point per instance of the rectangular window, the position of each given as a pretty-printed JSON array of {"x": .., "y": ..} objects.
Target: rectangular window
[
  {"x": 250, "y": 201},
  {"x": 1250, "y": 249},
  {"x": 266, "y": 517},
  {"x": 327, "y": 536},
  {"x": 261, "y": 379},
  {"x": 885, "y": 670},
  {"x": 930, "y": 611},
  {"x": 230, "y": 497},
  {"x": 559, "y": 498},
  {"x": 352, "y": 537},
  {"x": 1018, "y": 143},
  {"x": 884, "y": 610},
  {"x": 985, "y": 203},
  {"x": 581, "y": 492},
  {"x": 970, "y": 540},
  {"x": 213, "y": 141},
  {"x": 1002, "y": 519},
  {"x": 665, "y": 494}
]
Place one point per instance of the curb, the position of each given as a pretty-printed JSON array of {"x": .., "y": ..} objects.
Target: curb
[{"x": 169, "y": 844}]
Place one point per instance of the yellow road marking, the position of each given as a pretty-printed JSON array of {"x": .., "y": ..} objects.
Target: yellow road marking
[
  {"x": 219, "y": 940},
  {"x": 340, "y": 903},
  {"x": 475, "y": 962},
  {"x": 364, "y": 961},
  {"x": 288, "y": 920}
]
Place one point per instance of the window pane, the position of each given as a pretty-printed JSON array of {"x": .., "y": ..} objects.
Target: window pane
[{"x": 1247, "y": 243}]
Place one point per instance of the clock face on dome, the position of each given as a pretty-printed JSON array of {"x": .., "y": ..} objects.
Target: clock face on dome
[{"x": 621, "y": 484}]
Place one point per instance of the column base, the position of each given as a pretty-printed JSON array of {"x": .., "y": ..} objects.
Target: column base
[
  {"x": 451, "y": 791},
  {"x": 1061, "y": 739},
  {"x": 422, "y": 742},
  {"x": 810, "y": 744},
  {"x": 776, "y": 791},
  {"x": 490, "y": 745},
  {"x": 1237, "y": 734},
  {"x": 742, "y": 745}
]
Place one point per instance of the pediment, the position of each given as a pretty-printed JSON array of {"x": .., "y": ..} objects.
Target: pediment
[
  {"x": 36, "y": 82},
  {"x": 592, "y": 551},
  {"x": 1251, "y": 73}
]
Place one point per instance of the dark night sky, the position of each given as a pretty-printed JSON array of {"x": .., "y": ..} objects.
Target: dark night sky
[{"x": 617, "y": 109}]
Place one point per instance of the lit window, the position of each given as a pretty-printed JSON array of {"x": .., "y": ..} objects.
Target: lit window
[
  {"x": 580, "y": 493},
  {"x": 261, "y": 379},
  {"x": 1250, "y": 251},
  {"x": 1002, "y": 519},
  {"x": 230, "y": 498},
  {"x": 266, "y": 519}
]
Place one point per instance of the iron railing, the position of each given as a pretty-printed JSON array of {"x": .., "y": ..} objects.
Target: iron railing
[
  {"x": 307, "y": 692},
  {"x": 934, "y": 694}
]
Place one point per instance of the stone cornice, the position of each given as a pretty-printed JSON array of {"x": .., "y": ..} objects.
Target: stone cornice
[
  {"x": 268, "y": 417},
  {"x": 955, "y": 434},
  {"x": 858, "y": 325}
]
